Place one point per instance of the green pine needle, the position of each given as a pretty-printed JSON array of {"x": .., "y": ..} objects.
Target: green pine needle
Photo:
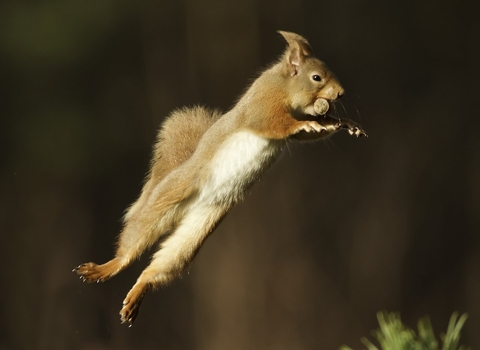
[{"x": 394, "y": 335}]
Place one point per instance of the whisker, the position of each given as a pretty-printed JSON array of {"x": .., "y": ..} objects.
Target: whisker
[
  {"x": 358, "y": 112},
  {"x": 329, "y": 141},
  {"x": 344, "y": 109},
  {"x": 335, "y": 111},
  {"x": 288, "y": 147},
  {"x": 355, "y": 106}
]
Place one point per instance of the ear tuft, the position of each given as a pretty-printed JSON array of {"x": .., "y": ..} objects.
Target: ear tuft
[
  {"x": 298, "y": 49},
  {"x": 295, "y": 40}
]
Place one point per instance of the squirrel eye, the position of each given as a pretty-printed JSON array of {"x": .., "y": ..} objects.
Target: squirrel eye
[{"x": 316, "y": 77}]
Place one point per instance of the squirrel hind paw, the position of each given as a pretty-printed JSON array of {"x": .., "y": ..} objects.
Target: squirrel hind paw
[
  {"x": 88, "y": 272},
  {"x": 91, "y": 272},
  {"x": 131, "y": 304}
]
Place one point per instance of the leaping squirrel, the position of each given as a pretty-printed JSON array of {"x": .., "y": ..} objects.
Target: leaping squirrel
[{"x": 204, "y": 162}]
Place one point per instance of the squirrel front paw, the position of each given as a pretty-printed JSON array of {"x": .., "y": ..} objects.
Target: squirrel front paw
[
  {"x": 352, "y": 127},
  {"x": 309, "y": 126}
]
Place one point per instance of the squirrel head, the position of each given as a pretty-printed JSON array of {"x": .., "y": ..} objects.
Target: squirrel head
[{"x": 308, "y": 78}]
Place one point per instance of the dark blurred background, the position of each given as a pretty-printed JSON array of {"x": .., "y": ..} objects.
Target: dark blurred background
[{"x": 337, "y": 231}]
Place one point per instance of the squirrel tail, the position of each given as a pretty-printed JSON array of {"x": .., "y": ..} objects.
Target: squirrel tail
[
  {"x": 176, "y": 141},
  {"x": 179, "y": 137}
]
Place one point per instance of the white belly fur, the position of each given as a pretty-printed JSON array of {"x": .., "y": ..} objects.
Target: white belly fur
[{"x": 241, "y": 159}]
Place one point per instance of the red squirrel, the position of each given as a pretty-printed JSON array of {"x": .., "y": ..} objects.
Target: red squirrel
[{"x": 204, "y": 162}]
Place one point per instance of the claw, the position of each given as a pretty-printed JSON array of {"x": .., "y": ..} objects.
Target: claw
[{"x": 360, "y": 133}]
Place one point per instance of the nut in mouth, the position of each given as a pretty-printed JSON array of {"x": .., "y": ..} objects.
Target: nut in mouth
[{"x": 321, "y": 106}]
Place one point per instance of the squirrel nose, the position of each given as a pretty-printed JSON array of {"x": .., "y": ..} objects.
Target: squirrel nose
[{"x": 340, "y": 94}]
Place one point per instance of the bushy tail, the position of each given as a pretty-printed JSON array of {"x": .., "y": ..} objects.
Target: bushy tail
[
  {"x": 179, "y": 137},
  {"x": 177, "y": 140}
]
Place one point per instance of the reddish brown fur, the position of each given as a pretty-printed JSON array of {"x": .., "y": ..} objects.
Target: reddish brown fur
[{"x": 179, "y": 195}]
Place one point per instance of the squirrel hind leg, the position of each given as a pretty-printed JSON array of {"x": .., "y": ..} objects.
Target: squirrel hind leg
[
  {"x": 130, "y": 245},
  {"x": 175, "y": 254},
  {"x": 132, "y": 302},
  {"x": 91, "y": 272},
  {"x": 133, "y": 241}
]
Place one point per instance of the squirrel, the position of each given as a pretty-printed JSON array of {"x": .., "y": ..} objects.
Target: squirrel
[{"x": 205, "y": 161}]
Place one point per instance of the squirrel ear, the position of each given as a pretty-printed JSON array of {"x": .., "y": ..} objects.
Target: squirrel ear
[{"x": 298, "y": 49}]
